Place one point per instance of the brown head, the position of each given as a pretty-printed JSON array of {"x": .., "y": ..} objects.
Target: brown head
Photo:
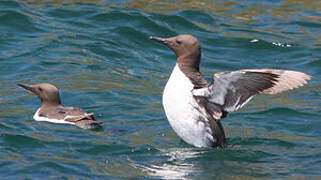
[
  {"x": 188, "y": 52},
  {"x": 186, "y": 48},
  {"x": 47, "y": 93}
]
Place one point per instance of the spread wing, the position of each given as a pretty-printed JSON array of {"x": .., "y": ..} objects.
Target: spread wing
[{"x": 230, "y": 90}]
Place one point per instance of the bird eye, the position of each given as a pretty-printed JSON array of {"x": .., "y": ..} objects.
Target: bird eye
[
  {"x": 179, "y": 41},
  {"x": 40, "y": 89}
]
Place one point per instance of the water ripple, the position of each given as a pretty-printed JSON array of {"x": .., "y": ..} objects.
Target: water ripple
[{"x": 99, "y": 55}]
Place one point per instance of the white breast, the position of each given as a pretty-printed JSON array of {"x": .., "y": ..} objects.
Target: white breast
[
  {"x": 182, "y": 114},
  {"x": 40, "y": 118}
]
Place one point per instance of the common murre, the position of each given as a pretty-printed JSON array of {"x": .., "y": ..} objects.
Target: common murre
[
  {"x": 194, "y": 107},
  {"x": 51, "y": 109}
]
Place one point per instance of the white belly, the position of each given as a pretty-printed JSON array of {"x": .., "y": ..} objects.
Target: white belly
[{"x": 179, "y": 104}]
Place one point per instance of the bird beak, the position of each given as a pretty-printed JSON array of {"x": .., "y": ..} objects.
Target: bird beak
[
  {"x": 28, "y": 87},
  {"x": 160, "y": 40}
]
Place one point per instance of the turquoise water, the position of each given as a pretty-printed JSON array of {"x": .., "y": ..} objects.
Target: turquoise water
[{"x": 98, "y": 54}]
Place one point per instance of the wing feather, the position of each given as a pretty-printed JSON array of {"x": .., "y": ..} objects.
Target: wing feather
[
  {"x": 287, "y": 79},
  {"x": 70, "y": 114},
  {"x": 231, "y": 90}
]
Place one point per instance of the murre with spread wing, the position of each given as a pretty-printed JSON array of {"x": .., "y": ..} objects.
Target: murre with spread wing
[
  {"x": 194, "y": 107},
  {"x": 51, "y": 109}
]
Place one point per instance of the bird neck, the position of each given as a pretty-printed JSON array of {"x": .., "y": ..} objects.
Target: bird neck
[
  {"x": 46, "y": 105},
  {"x": 190, "y": 61},
  {"x": 190, "y": 67}
]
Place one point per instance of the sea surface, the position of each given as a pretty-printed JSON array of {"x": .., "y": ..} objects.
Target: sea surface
[{"x": 98, "y": 54}]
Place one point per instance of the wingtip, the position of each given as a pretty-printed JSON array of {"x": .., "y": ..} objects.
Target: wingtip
[
  {"x": 308, "y": 77},
  {"x": 288, "y": 80}
]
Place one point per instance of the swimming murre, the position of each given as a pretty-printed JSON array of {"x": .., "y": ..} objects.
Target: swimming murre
[
  {"x": 51, "y": 109},
  {"x": 194, "y": 107}
]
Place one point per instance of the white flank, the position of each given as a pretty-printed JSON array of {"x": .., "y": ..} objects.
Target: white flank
[
  {"x": 40, "y": 118},
  {"x": 181, "y": 111}
]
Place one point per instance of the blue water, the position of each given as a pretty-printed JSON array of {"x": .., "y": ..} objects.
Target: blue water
[{"x": 98, "y": 54}]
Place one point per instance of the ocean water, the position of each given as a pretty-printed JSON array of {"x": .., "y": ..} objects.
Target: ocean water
[{"x": 98, "y": 54}]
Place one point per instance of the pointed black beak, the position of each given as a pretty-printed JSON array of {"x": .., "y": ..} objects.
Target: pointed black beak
[
  {"x": 160, "y": 40},
  {"x": 28, "y": 87}
]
